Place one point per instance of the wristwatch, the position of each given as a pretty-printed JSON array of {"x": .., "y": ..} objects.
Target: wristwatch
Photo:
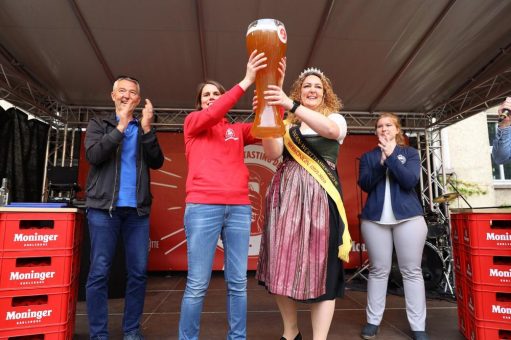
[{"x": 295, "y": 106}]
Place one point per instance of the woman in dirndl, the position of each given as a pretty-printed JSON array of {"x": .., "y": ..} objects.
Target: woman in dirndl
[{"x": 306, "y": 233}]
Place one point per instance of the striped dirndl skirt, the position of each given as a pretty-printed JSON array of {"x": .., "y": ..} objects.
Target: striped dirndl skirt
[{"x": 298, "y": 254}]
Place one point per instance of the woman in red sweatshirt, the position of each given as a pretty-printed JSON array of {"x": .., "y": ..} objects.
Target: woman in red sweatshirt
[{"x": 217, "y": 201}]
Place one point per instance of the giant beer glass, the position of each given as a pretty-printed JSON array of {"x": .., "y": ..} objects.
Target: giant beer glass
[{"x": 268, "y": 36}]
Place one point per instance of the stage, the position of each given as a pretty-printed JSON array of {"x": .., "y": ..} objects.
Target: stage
[{"x": 163, "y": 299}]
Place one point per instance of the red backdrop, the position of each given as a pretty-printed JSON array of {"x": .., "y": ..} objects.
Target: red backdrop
[{"x": 168, "y": 241}]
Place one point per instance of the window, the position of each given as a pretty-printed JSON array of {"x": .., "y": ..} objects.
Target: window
[{"x": 501, "y": 173}]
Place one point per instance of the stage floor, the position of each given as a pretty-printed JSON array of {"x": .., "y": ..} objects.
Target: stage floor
[{"x": 163, "y": 299}]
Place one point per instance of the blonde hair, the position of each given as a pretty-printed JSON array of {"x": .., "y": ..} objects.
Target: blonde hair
[
  {"x": 400, "y": 138},
  {"x": 331, "y": 103}
]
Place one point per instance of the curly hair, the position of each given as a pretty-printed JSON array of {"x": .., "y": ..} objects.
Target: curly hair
[{"x": 330, "y": 104}]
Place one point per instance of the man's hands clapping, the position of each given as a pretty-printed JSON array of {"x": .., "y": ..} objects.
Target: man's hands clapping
[{"x": 147, "y": 116}]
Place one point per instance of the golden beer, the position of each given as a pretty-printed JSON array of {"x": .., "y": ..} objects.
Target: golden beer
[{"x": 268, "y": 36}]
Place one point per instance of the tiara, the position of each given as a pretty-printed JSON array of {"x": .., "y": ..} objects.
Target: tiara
[{"x": 311, "y": 70}]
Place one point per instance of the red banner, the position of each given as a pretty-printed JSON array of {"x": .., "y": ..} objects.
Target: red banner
[{"x": 168, "y": 240}]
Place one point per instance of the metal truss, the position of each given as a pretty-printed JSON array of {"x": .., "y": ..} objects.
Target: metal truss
[
  {"x": 471, "y": 101},
  {"x": 23, "y": 93},
  {"x": 432, "y": 179},
  {"x": 364, "y": 122},
  {"x": 173, "y": 118}
]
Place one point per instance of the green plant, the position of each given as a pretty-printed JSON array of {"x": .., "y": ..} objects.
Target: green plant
[{"x": 464, "y": 187}]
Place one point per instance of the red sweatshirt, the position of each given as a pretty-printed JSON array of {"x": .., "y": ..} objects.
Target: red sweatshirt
[{"x": 217, "y": 173}]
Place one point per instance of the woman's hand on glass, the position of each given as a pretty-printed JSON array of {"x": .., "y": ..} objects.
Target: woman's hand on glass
[
  {"x": 282, "y": 72},
  {"x": 254, "y": 102},
  {"x": 256, "y": 62},
  {"x": 275, "y": 96}
]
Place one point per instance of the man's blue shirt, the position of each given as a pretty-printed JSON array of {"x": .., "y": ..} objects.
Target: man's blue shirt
[{"x": 128, "y": 179}]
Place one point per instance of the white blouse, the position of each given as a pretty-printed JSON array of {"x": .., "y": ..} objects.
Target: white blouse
[{"x": 336, "y": 117}]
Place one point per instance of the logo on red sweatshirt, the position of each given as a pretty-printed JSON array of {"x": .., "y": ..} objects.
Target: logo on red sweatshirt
[{"x": 229, "y": 134}]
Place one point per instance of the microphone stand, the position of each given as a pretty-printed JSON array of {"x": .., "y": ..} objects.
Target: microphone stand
[
  {"x": 362, "y": 266},
  {"x": 453, "y": 185}
]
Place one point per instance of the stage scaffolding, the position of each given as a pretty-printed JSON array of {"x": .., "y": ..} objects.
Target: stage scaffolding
[{"x": 18, "y": 88}]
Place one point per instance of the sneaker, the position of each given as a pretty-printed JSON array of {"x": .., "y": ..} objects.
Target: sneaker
[
  {"x": 420, "y": 335},
  {"x": 369, "y": 331},
  {"x": 135, "y": 335}
]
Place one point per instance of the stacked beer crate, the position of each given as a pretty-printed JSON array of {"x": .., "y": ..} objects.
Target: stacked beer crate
[
  {"x": 39, "y": 270},
  {"x": 482, "y": 261}
]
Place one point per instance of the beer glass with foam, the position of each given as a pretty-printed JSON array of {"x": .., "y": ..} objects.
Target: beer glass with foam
[{"x": 268, "y": 36}]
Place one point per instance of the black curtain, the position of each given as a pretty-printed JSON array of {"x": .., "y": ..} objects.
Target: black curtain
[{"x": 22, "y": 154}]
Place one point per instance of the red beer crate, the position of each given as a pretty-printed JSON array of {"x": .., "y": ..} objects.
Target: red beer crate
[
  {"x": 61, "y": 332},
  {"x": 457, "y": 222},
  {"x": 487, "y": 330},
  {"x": 461, "y": 290},
  {"x": 489, "y": 303},
  {"x": 487, "y": 231},
  {"x": 39, "y": 269},
  {"x": 20, "y": 309},
  {"x": 462, "y": 319},
  {"x": 41, "y": 230},
  {"x": 77, "y": 256},
  {"x": 458, "y": 257},
  {"x": 488, "y": 267},
  {"x": 2, "y": 231}
]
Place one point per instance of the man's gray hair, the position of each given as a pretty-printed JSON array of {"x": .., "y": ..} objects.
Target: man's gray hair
[{"x": 133, "y": 80}]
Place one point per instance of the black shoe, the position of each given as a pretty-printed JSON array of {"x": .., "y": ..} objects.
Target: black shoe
[
  {"x": 420, "y": 335},
  {"x": 369, "y": 331},
  {"x": 297, "y": 337}
]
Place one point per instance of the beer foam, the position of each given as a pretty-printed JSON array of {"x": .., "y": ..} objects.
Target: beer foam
[{"x": 264, "y": 24}]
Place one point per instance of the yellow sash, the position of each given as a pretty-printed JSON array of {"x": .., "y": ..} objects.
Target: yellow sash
[{"x": 321, "y": 176}]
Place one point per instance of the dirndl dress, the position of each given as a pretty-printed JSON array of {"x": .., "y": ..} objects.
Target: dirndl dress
[{"x": 302, "y": 232}]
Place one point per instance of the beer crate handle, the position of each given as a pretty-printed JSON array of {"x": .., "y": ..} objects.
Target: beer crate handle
[
  {"x": 29, "y": 300},
  {"x": 500, "y": 224},
  {"x": 36, "y": 224},
  {"x": 33, "y": 261}
]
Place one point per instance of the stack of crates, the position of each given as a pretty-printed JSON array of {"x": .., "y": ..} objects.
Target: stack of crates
[
  {"x": 482, "y": 262},
  {"x": 39, "y": 270},
  {"x": 456, "y": 226}
]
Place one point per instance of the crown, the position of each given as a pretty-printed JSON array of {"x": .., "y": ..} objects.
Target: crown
[{"x": 311, "y": 70}]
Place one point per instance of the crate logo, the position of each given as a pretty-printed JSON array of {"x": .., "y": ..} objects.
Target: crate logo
[
  {"x": 457, "y": 263},
  {"x": 469, "y": 270},
  {"x": 466, "y": 237},
  {"x": 455, "y": 234},
  {"x": 33, "y": 275},
  {"x": 500, "y": 310},
  {"x": 29, "y": 314},
  {"x": 500, "y": 273},
  {"x": 501, "y": 239},
  {"x": 45, "y": 238},
  {"x": 460, "y": 293},
  {"x": 498, "y": 237},
  {"x": 470, "y": 303}
]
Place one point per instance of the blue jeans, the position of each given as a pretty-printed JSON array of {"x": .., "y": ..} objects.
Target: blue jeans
[
  {"x": 204, "y": 223},
  {"x": 104, "y": 231}
]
